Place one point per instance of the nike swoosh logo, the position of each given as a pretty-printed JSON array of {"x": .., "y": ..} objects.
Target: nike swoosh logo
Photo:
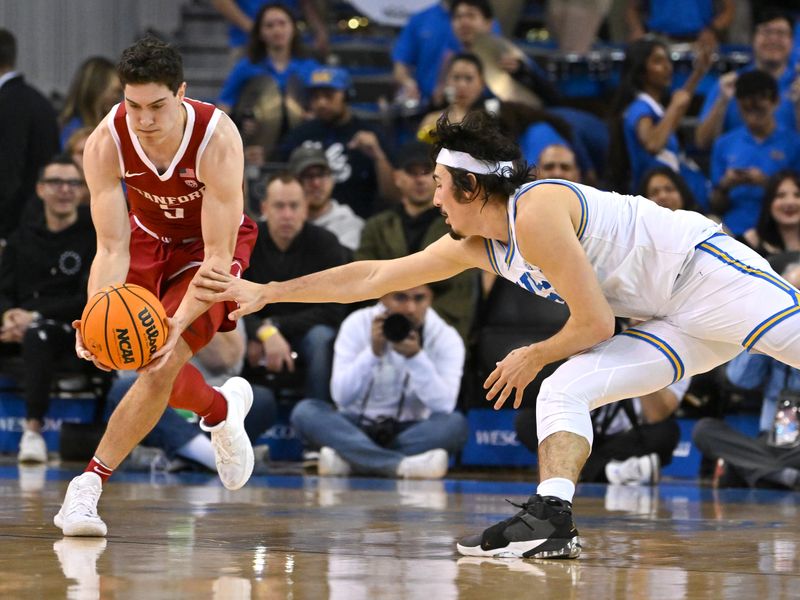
[{"x": 129, "y": 174}]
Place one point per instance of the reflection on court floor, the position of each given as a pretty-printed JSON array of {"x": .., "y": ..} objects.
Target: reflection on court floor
[{"x": 185, "y": 536}]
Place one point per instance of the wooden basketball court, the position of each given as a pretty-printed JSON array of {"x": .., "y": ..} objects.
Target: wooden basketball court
[{"x": 299, "y": 538}]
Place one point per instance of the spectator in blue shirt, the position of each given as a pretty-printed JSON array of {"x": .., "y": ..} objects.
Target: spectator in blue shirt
[
  {"x": 681, "y": 20},
  {"x": 242, "y": 15},
  {"x": 778, "y": 228},
  {"x": 667, "y": 188},
  {"x": 772, "y": 47},
  {"x": 743, "y": 160},
  {"x": 647, "y": 118},
  {"x": 274, "y": 59},
  {"x": 274, "y": 50}
]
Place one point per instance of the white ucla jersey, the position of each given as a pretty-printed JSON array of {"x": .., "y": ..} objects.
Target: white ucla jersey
[{"x": 636, "y": 247}]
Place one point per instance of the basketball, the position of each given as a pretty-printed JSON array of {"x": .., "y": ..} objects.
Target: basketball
[{"x": 123, "y": 326}]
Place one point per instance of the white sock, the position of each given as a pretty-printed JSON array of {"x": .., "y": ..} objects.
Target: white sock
[
  {"x": 199, "y": 449},
  {"x": 558, "y": 487}
]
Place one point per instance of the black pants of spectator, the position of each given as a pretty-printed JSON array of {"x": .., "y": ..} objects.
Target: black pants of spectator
[
  {"x": 45, "y": 347},
  {"x": 660, "y": 438},
  {"x": 752, "y": 459}
]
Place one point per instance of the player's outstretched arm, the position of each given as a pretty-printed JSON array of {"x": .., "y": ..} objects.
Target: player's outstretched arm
[{"x": 361, "y": 280}]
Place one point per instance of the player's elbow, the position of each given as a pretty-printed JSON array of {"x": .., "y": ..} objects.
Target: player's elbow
[{"x": 603, "y": 326}]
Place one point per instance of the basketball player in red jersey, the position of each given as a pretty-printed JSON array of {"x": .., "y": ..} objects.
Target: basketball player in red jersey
[{"x": 182, "y": 165}]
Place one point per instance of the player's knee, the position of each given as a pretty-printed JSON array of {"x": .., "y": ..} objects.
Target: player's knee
[{"x": 562, "y": 410}]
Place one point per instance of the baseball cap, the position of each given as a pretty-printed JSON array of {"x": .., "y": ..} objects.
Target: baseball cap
[
  {"x": 413, "y": 153},
  {"x": 307, "y": 156},
  {"x": 329, "y": 77}
]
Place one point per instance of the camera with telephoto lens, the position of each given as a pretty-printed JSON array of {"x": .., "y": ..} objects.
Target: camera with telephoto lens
[{"x": 397, "y": 327}]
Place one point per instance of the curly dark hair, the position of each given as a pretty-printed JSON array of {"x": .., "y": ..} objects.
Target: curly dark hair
[
  {"x": 151, "y": 61},
  {"x": 478, "y": 134}
]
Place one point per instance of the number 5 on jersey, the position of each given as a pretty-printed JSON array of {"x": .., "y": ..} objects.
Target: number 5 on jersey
[{"x": 172, "y": 213}]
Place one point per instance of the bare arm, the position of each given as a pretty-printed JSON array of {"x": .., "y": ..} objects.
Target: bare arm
[
  {"x": 229, "y": 10},
  {"x": 222, "y": 170},
  {"x": 633, "y": 19},
  {"x": 547, "y": 220},
  {"x": 361, "y": 280},
  {"x": 109, "y": 211},
  {"x": 710, "y": 128}
]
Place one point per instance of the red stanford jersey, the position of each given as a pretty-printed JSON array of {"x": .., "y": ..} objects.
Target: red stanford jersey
[{"x": 167, "y": 206}]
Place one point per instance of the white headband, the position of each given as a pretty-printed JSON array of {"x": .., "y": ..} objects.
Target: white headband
[{"x": 462, "y": 160}]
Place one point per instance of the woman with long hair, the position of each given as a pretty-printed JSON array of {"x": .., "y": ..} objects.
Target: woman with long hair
[
  {"x": 645, "y": 117},
  {"x": 274, "y": 49},
  {"x": 778, "y": 227},
  {"x": 94, "y": 90}
]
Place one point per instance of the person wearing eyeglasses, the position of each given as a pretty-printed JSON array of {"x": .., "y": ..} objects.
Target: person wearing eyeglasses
[
  {"x": 743, "y": 159},
  {"x": 43, "y": 275}
]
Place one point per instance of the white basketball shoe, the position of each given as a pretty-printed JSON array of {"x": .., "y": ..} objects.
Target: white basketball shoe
[
  {"x": 232, "y": 449},
  {"x": 78, "y": 515}
]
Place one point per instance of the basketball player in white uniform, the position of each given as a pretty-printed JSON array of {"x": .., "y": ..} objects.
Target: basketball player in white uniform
[{"x": 703, "y": 298}]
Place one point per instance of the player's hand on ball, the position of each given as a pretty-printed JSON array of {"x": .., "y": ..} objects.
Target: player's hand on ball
[
  {"x": 81, "y": 350},
  {"x": 174, "y": 331},
  {"x": 214, "y": 285},
  {"x": 513, "y": 374}
]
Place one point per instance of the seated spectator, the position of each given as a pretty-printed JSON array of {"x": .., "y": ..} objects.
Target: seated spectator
[
  {"x": 289, "y": 247},
  {"x": 420, "y": 51},
  {"x": 666, "y": 188},
  {"x": 242, "y": 15},
  {"x": 29, "y": 137},
  {"x": 274, "y": 63},
  {"x": 701, "y": 21},
  {"x": 413, "y": 225},
  {"x": 534, "y": 128},
  {"x": 773, "y": 458},
  {"x": 772, "y": 46},
  {"x": 633, "y": 438},
  {"x": 646, "y": 118},
  {"x": 356, "y": 152},
  {"x": 43, "y": 276},
  {"x": 396, "y": 375},
  {"x": 778, "y": 227},
  {"x": 557, "y": 161},
  {"x": 94, "y": 91},
  {"x": 743, "y": 159},
  {"x": 177, "y": 438},
  {"x": 75, "y": 146},
  {"x": 310, "y": 165}
]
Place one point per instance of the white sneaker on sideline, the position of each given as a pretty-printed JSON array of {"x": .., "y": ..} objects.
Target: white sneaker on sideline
[
  {"x": 637, "y": 470},
  {"x": 78, "y": 515},
  {"x": 428, "y": 465},
  {"x": 32, "y": 447},
  {"x": 330, "y": 464},
  {"x": 232, "y": 449}
]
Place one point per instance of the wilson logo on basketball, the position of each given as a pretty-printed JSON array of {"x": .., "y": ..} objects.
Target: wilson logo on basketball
[
  {"x": 150, "y": 330},
  {"x": 124, "y": 344}
]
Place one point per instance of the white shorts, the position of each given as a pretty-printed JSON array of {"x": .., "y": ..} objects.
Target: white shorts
[{"x": 727, "y": 300}]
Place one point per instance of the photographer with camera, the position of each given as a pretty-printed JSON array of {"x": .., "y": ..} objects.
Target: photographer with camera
[{"x": 396, "y": 375}]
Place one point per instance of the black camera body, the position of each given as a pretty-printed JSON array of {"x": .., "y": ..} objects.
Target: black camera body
[{"x": 397, "y": 327}]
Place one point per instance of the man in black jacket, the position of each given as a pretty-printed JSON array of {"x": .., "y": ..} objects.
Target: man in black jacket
[
  {"x": 43, "y": 275},
  {"x": 28, "y": 137},
  {"x": 289, "y": 247}
]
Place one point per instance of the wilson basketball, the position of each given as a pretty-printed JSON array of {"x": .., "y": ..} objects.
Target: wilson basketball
[{"x": 123, "y": 326}]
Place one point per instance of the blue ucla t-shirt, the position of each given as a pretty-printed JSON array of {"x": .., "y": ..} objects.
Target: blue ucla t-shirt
[
  {"x": 244, "y": 71},
  {"x": 237, "y": 37},
  {"x": 679, "y": 17},
  {"x": 641, "y": 159},
  {"x": 784, "y": 115},
  {"x": 738, "y": 149}
]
